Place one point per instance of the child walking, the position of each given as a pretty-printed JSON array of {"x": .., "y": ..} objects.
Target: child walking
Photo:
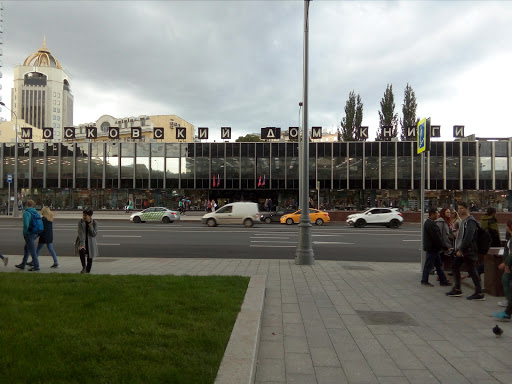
[{"x": 46, "y": 237}]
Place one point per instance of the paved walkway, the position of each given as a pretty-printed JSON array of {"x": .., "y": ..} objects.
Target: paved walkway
[{"x": 329, "y": 323}]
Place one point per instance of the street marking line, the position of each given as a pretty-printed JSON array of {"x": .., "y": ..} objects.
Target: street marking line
[
  {"x": 107, "y": 244},
  {"x": 331, "y": 242},
  {"x": 270, "y": 241},
  {"x": 273, "y": 246},
  {"x": 412, "y": 240},
  {"x": 120, "y": 236}
]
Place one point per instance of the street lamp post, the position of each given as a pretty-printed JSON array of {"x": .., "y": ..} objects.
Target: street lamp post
[
  {"x": 15, "y": 205},
  {"x": 304, "y": 254}
]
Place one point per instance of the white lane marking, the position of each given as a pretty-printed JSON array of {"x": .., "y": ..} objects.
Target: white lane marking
[
  {"x": 273, "y": 238},
  {"x": 107, "y": 244},
  {"x": 412, "y": 240},
  {"x": 273, "y": 246},
  {"x": 120, "y": 236},
  {"x": 270, "y": 241},
  {"x": 331, "y": 242}
]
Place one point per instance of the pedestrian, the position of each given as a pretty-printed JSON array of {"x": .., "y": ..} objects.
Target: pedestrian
[
  {"x": 443, "y": 222},
  {"x": 466, "y": 252},
  {"x": 506, "y": 266},
  {"x": 432, "y": 245},
  {"x": 269, "y": 205},
  {"x": 490, "y": 224},
  {"x": 30, "y": 233},
  {"x": 86, "y": 245},
  {"x": 214, "y": 205},
  {"x": 127, "y": 206},
  {"x": 4, "y": 259},
  {"x": 46, "y": 237}
]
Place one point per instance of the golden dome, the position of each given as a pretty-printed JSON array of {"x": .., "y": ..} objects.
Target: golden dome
[{"x": 42, "y": 58}]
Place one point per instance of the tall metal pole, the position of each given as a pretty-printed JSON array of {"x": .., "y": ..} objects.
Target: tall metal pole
[
  {"x": 300, "y": 151},
  {"x": 422, "y": 207},
  {"x": 304, "y": 253},
  {"x": 15, "y": 207}
]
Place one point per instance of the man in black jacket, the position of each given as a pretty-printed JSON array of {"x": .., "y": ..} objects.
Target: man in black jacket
[
  {"x": 432, "y": 244},
  {"x": 467, "y": 252}
]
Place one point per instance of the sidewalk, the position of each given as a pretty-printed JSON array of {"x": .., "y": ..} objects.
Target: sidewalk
[{"x": 349, "y": 322}]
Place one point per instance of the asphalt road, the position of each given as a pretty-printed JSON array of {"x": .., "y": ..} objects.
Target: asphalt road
[{"x": 191, "y": 239}]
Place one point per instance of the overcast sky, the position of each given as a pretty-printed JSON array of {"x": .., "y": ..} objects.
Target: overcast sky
[{"x": 240, "y": 63}]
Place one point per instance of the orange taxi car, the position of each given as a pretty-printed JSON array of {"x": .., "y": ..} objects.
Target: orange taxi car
[{"x": 316, "y": 216}]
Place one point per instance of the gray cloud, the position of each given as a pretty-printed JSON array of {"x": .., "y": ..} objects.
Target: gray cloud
[{"x": 239, "y": 63}]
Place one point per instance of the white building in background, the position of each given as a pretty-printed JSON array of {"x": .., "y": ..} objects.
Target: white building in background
[{"x": 42, "y": 93}]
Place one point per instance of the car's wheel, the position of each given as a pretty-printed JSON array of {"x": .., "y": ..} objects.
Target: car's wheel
[
  {"x": 394, "y": 223},
  {"x": 211, "y": 223},
  {"x": 360, "y": 223},
  {"x": 166, "y": 220},
  {"x": 248, "y": 223},
  {"x": 319, "y": 222},
  {"x": 268, "y": 220},
  {"x": 136, "y": 219},
  {"x": 289, "y": 221}
]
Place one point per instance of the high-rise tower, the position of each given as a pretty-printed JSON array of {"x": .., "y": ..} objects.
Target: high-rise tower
[{"x": 42, "y": 92}]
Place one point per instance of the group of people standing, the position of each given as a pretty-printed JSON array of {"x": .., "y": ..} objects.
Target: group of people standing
[
  {"x": 451, "y": 233},
  {"x": 41, "y": 226}
]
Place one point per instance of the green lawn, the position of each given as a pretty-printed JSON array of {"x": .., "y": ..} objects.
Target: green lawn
[{"x": 60, "y": 328}]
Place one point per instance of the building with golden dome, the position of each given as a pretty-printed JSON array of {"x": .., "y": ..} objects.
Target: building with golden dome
[{"x": 41, "y": 95}]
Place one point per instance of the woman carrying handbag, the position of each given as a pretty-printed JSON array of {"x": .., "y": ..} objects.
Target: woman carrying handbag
[{"x": 86, "y": 245}]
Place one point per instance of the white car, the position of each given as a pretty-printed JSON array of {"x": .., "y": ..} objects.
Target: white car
[
  {"x": 389, "y": 217},
  {"x": 155, "y": 214}
]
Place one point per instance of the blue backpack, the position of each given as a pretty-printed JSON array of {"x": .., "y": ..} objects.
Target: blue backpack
[{"x": 36, "y": 223}]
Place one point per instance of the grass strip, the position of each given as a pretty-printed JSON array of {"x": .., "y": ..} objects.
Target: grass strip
[{"x": 62, "y": 328}]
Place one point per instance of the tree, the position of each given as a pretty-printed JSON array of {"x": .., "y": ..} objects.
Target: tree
[
  {"x": 353, "y": 118},
  {"x": 387, "y": 115},
  {"x": 249, "y": 138},
  {"x": 409, "y": 111}
]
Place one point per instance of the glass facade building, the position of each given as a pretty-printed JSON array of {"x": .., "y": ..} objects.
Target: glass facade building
[{"x": 350, "y": 175}]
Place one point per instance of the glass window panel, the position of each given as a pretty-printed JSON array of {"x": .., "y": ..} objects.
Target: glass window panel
[
  {"x": 97, "y": 149},
  {"x": 173, "y": 150},
  {"x": 404, "y": 171},
  {"x": 142, "y": 167},
  {"x": 127, "y": 164},
  {"x": 142, "y": 149},
  {"x": 501, "y": 164},
  {"x": 127, "y": 150},
  {"x": 202, "y": 167},
  {"x": 187, "y": 168},
  {"x": 500, "y": 149},
  {"x": 172, "y": 166},
  {"x": 484, "y": 149},
  {"x": 38, "y": 150},
  {"x": 248, "y": 167}
]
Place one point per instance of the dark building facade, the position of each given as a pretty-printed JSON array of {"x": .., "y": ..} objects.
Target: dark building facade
[{"x": 350, "y": 175}]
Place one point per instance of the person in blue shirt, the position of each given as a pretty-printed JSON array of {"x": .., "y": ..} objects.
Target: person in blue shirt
[{"x": 29, "y": 237}]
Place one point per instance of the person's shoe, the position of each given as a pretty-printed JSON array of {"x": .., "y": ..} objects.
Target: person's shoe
[
  {"x": 427, "y": 284},
  {"x": 437, "y": 279},
  {"x": 33, "y": 269},
  {"x": 20, "y": 266},
  {"x": 83, "y": 270},
  {"x": 503, "y": 303},
  {"x": 476, "y": 296},
  {"x": 454, "y": 293},
  {"x": 55, "y": 265},
  {"x": 6, "y": 261},
  {"x": 446, "y": 284},
  {"x": 501, "y": 316},
  {"x": 30, "y": 263}
]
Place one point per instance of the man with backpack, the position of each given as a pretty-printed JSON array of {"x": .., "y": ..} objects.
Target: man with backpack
[
  {"x": 466, "y": 249},
  {"x": 32, "y": 227}
]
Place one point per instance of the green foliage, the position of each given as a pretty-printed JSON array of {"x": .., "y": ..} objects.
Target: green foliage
[
  {"x": 62, "y": 328},
  {"x": 353, "y": 118},
  {"x": 387, "y": 115},
  {"x": 249, "y": 138},
  {"x": 409, "y": 111}
]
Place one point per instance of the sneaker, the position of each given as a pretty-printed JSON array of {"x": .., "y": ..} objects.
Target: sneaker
[
  {"x": 427, "y": 284},
  {"x": 476, "y": 296},
  {"x": 446, "y": 284},
  {"x": 6, "y": 260},
  {"x": 501, "y": 316},
  {"x": 503, "y": 303},
  {"x": 33, "y": 269},
  {"x": 55, "y": 265},
  {"x": 83, "y": 270},
  {"x": 454, "y": 293},
  {"x": 30, "y": 263},
  {"x": 20, "y": 266}
]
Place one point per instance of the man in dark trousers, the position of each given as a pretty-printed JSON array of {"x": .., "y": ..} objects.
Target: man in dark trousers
[
  {"x": 432, "y": 245},
  {"x": 467, "y": 252}
]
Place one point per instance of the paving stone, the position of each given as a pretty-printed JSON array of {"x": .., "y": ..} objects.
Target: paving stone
[
  {"x": 299, "y": 378},
  {"x": 270, "y": 370},
  {"x": 291, "y": 307},
  {"x": 298, "y": 363},
  {"x": 330, "y": 375},
  {"x": 420, "y": 376},
  {"x": 360, "y": 373},
  {"x": 324, "y": 357},
  {"x": 271, "y": 349},
  {"x": 293, "y": 344},
  {"x": 393, "y": 380},
  {"x": 294, "y": 329}
]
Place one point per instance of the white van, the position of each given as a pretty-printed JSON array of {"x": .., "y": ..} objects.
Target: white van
[{"x": 234, "y": 213}]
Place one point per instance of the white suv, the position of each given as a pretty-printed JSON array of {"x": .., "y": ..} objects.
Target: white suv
[{"x": 389, "y": 217}]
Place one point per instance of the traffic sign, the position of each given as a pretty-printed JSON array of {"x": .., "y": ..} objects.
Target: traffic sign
[
  {"x": 9, "y": 178},
  {"x": 422, "y": 128}
]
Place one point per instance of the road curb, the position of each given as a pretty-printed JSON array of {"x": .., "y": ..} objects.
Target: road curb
[{"x": 238, "y": 365}]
